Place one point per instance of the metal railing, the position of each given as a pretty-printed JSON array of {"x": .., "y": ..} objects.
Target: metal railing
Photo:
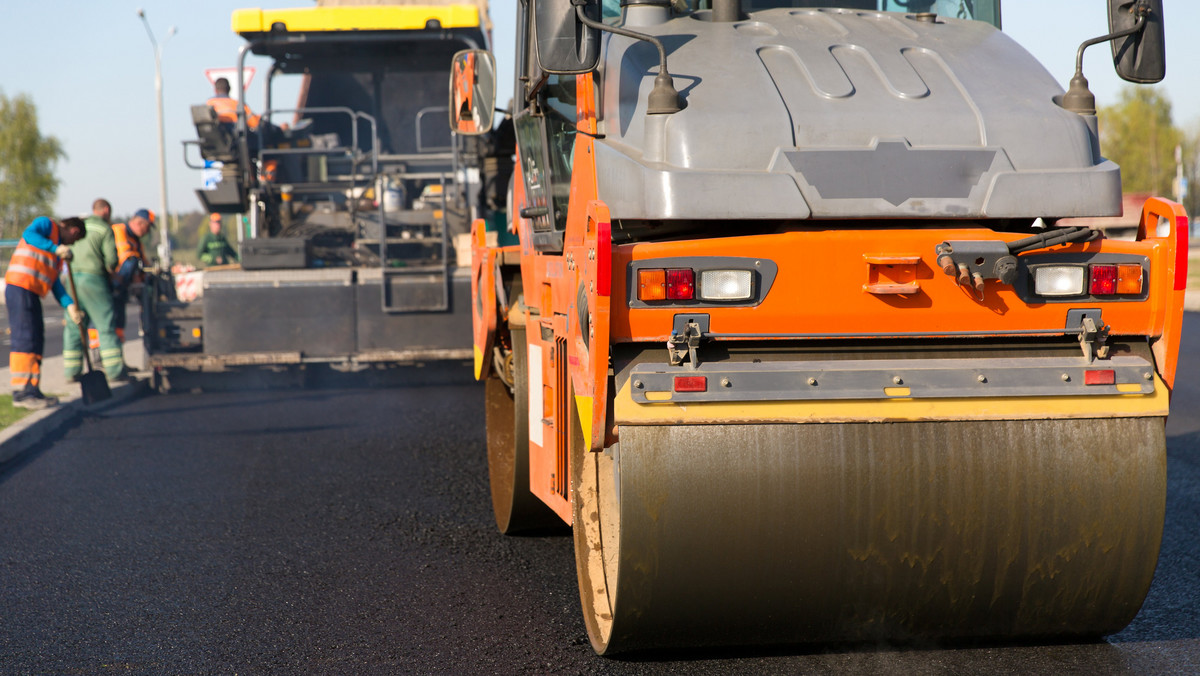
[{"x": 6, "y": 249}]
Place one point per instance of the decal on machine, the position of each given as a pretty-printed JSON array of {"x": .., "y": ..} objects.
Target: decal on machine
[{"x": 535, "y": 394}]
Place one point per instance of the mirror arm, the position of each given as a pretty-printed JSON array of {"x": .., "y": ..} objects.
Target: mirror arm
[
  {"x": 1079, "y": 99},
  {"x": 664, "y": 99},
  {"x": 1140, "y": 8},
  {"x": 532, "y": 87}
]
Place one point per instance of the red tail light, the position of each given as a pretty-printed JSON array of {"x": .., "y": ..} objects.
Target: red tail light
[
  {"x": 1181, "y": 252},
  {"x": 681, "y": 284},
  {"x": 1099, "y": 377},
  {"x": 1104, "y": 280}
]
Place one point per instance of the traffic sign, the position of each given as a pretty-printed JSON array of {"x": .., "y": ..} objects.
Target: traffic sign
[{"x": 214, "y": 74}]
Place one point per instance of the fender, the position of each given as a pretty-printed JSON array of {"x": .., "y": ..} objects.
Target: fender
[
  {"x": 1157, "y": 212},
  {"x": 590, "y": 254}
]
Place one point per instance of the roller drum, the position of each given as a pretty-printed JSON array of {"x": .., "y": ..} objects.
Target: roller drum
[
  {"x": 695, "y": 535},
  {"x": 507, "y": 420}
]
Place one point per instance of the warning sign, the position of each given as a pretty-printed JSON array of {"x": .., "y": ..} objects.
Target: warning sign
[{"x": 214, "y": 74}]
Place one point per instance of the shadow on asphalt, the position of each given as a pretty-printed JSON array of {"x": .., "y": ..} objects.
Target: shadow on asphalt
[
  {"x": 12, "y": 467},
  {"x": 313, "y": 377}
]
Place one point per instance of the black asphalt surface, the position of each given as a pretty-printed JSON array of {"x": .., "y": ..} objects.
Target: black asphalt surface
[{"x": 349, "y": 531}]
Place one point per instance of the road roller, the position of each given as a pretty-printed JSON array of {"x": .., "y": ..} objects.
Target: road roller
[{"x": 788, "y": 321}]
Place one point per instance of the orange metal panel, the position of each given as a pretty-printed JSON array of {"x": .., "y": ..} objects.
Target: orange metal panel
[
  {"x": 560, "y": 279},
  {"x": 819, "y": 290},
  {"x": 547, "y": 427},
  {"x": 1167, "y": 290}
]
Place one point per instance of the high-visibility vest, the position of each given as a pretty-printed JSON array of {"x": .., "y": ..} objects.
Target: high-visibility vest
[
  {"x": 226, "y": 109},
  {"x": 33, "y": 269},
  {"x": 128, "y": 244}
]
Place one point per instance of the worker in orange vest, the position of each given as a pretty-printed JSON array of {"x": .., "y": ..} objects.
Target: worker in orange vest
[
  {"x": 226, "y": 107},
  {"x": 32, "y": 273},
  {"x": 131, "y": 258}
]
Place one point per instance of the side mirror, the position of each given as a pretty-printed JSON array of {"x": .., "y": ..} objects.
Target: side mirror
[
  {"x": 472, "y": 92},
  {"x": 564, "y": 44},
  {"x": 1140, "y": 57}
]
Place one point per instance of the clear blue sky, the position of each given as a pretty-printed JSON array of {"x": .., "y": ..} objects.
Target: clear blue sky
[{"x": 89, "y": 67}]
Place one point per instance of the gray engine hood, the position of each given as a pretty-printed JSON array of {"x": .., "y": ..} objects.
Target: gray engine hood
[{"x": 843, "y": 114}]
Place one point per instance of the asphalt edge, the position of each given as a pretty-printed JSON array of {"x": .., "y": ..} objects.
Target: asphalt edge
[{"x": 26, "y": 433}]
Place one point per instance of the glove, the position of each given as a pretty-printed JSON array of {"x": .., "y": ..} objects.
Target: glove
[
  {"x": 76, "y": 313},
  {"x": 64, "y": 252}
]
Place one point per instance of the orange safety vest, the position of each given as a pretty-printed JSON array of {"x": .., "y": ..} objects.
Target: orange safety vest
[
  {"x": 128, "y": 244},
  {"x": 34, "y": 269},
  {"x": 226, "y": 109}
]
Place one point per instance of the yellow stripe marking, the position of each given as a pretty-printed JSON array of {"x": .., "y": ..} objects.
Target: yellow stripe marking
[
  {"x": 584, "y": 406},
  {"x": 350, "y": 18}
]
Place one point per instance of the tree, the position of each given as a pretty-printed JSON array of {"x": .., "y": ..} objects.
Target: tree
[
  {"x": 1138, "y": 134},
  {"x": 27, "y": 160}
]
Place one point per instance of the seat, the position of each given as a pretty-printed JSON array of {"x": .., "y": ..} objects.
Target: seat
[{"x": 216, "y": 137}]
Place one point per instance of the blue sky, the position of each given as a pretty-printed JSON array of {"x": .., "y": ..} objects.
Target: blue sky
[{"x": 89, "y": 68}]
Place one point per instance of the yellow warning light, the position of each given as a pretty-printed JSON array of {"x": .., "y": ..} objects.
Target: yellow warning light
[
  {"x": 1129, "y": 278},
  {"x": 652, "y": 284}
]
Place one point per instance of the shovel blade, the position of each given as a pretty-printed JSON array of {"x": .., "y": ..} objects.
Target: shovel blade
[{"x": 95, "y": 387}]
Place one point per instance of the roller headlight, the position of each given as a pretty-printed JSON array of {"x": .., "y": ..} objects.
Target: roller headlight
[
  {"x": 1058, "y": 280},
  {"x": 726, "y": 285}
]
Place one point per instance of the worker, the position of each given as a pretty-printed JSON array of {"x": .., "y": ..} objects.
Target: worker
[
  {"x": 214, "y": 249},
  {"x": 226, "y": 107},
  {"x": 95, "y": 263},
  {"x": 131, "y": 259},
  {"x": 32, "y": 273}
]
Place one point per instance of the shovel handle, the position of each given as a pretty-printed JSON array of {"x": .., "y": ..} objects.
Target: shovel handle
[{"x": 87, "y": 357}]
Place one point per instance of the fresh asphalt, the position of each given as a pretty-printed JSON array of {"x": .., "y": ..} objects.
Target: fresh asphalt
[{"x": 349, "y": 530}]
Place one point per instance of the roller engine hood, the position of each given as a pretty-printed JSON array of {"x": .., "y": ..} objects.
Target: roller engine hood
[{"x": 828, "y": 113}]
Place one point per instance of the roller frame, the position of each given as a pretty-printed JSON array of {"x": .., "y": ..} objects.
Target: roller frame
[
  {"x": 861, "y": 517},
  {"x": 873, "y": 378}
]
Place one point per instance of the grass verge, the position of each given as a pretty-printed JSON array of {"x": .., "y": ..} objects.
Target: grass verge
[{"x": 9, "y": 414}]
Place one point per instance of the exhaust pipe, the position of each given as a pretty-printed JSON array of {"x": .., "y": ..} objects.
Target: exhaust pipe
[{"x": 726, "y": 11}]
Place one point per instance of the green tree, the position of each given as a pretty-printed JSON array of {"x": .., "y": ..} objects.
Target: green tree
[
  {"x": 27, "y": 159},
  {"x": 1138, "y": 134}
]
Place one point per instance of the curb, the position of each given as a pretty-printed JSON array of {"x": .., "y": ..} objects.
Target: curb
[{"x": 24, "y": 434}]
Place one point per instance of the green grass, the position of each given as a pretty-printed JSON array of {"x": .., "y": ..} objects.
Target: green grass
[{"x": 9, "y": 414}]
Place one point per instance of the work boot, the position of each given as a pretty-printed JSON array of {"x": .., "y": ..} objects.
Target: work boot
[{"x": 33, "y": 399}]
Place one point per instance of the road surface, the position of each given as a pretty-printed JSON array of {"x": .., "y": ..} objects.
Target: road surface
[{"x": 348, "y": 530}]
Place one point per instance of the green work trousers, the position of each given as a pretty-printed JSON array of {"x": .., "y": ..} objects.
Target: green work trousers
[{"x": 94, "y": 297}]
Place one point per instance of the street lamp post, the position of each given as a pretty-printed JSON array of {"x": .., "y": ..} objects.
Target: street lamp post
[{"x": 164, "y": 243}]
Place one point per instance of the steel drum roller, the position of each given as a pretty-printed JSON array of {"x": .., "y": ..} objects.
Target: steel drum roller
[{"x": 694, "y": 535}]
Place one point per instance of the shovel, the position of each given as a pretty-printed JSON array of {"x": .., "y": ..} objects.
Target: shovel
[{"x": 95, "y": 386}]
